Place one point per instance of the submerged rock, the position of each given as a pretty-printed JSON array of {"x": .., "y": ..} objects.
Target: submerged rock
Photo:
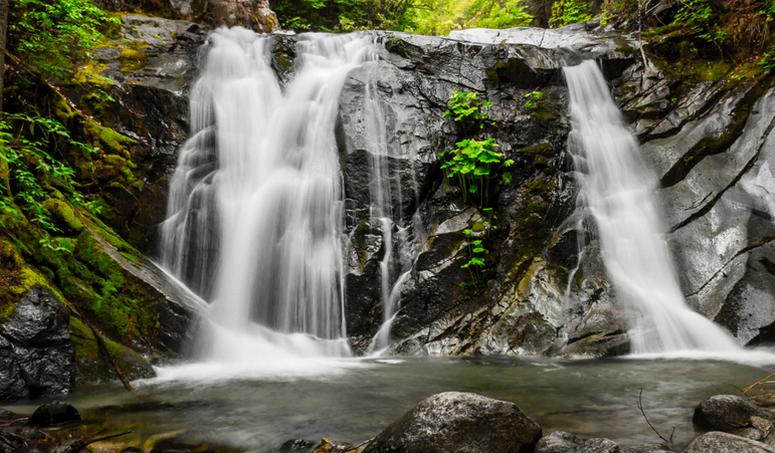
[
  {"x": 37, "y": 355},
  {"x": 10, "y": 442},
  {"x": 718, "y": 442},
  {"x": 563, "y": 442},
  {"x": 55, "y": 413},
  {"x": 297, "y": 445},
  {"x": 459, "y": 422}
]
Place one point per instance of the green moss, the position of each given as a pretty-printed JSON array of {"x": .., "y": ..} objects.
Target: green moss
[
  {"x": 132, "y": 57},
  {"x": 286, "y": 63},
  {"x": 110, "y": 140},
  {"x": 16, "y": 278},
  {"x": 93, "y": 366},
  {"x": 91, "y": 74},
  {"x": 63, "y": 215}
]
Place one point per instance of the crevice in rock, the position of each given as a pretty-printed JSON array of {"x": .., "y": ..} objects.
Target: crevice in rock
[
  {"x": 740, "y": 252},
  {"x": 709, "y": 146},
  {"x": 751, "y": 162}
]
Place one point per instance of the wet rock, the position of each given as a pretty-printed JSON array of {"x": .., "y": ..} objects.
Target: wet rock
[
  {"x": 54, "y": 413},
  {"x": 36, "y": 351},
  {"x": 297, "y": 445},
  {"x": 332, "y": 446},
  {"x": 151, "y": 108},
  {"x": 10, "y": 442},
  {"x": 459, "y": 422},
  {"x": 563, "y": 442},
  {"x": 735, "y": 414},
  {"x": 719, "y": 442},
  {"x": 254, "y": 14}
]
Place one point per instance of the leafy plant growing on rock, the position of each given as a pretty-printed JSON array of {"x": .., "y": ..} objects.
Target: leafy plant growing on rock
[
  {"x": 475, "y": 165},
  {"x": 470, "y": 112},
  {"x": 532, "y": 99},
  {"x": 472, "y": 164},
  {"x": 28, "y": 144}
]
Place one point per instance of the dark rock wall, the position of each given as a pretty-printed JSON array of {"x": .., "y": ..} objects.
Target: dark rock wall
[
  {"x": 546, "y": 292},
  {"x": 707, "y": 141},
  {"x": 37, "y": 355}
]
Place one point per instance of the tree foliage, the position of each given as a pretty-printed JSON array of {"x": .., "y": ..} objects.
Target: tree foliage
[
  {"x": 342, "y": 15},
  {"x": 566, "y": 12},
  {"x": 435, "y": 17}
]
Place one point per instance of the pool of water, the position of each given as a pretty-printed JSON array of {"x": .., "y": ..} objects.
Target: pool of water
[{"x": 354, "y": 400}]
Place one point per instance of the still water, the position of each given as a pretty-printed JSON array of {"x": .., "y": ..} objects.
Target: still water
[{"x": 358, "y": 398}]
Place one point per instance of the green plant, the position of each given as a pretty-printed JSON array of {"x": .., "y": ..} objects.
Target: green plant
[
  {"x": 466, "y": 107},
  {"x": 698, "y": 16},
  {"x": 53, "y": 34},
  {"x": 472, "y": 164},
  {"x": 476, "y": 237},
  {"x": 28, "y": 144},
  {"x": 565, "y": 12},
  {"x": 477, "y": 251},
  {"x": 767, "y": 60},
  {"x": 532, "y": 99}
]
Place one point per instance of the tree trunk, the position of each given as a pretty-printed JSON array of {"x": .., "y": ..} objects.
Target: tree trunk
[{"x": 3, "y": 35}]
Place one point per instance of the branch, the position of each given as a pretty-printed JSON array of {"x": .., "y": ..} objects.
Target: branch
[
  {"x": 668, "y": 442},
  {"x": 79, "y": 445}
]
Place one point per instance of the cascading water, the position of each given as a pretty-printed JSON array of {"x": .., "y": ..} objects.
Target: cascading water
[
  {"x": 255, "y": 212},
  {"x": 619, "y": 191},
  {"x": 385, "y": 188}
]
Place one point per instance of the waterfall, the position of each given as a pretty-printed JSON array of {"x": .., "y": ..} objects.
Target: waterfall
[
  {"x": 619, "y": 191},
  {"x": 387, "y": 184},
  {"x": 255, "y": 210}
]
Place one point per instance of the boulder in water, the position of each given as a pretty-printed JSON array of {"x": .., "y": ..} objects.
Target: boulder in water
[
  {"x": 735, "y": 414},
  {"x": 54, "y": 413},
  {"x": 718, "y": 442},
  {"x": 459, "y": 422}
]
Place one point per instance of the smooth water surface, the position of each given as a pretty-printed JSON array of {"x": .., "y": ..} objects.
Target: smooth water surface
[{"x": 592, "y": 398}]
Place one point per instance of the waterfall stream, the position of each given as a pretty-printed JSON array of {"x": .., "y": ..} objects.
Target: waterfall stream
[
  {"x": 255, "y": 212},
  {"x": 618, "y": 189}
]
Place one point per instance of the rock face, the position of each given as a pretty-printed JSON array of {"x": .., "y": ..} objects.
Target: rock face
[
  {"x": 459, "y": 422},
  {"x": 533, "y": 244},
  {"x": 718, "y": 442},
  {"x": 37, "y": 354},
  {"x": 545, "y": 291}
]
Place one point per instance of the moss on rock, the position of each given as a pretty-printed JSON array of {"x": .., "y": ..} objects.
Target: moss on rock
[
  {"x": 63, "y": 215},
  {"x": 132, "y": 57}
]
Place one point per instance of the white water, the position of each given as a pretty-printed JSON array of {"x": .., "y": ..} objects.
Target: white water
[
  {"x": 619, "y": 191},
  {"x": 255, "y": 212}
]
